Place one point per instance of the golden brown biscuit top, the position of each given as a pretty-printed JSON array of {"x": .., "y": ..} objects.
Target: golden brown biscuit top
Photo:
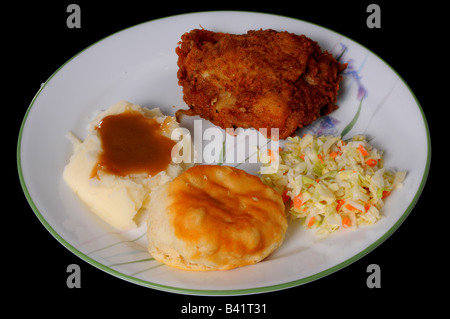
[{"x": 225, "y": 212}]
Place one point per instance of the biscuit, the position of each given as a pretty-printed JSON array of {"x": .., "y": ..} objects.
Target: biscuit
[{"x": 215, "y": 218}]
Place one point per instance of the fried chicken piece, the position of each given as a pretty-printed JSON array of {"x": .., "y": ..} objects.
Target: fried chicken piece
[{"x": 262, "y": 79}]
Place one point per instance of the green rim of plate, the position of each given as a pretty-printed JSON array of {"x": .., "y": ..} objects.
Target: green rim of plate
[{"x": 256, "y": 290}]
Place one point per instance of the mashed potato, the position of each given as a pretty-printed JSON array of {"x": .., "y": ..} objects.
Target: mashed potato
[{"x": 120, "y": 200}]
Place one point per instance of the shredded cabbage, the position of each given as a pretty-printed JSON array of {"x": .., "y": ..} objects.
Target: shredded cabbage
[{"x": 330, "y": 183}]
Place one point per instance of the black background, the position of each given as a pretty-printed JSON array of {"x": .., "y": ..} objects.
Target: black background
[{"x": 411, "y": 39}]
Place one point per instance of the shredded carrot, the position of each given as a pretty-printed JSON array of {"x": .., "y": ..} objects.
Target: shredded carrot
[
  {"x": 298, "y": 201},
  {"x": 333, "y": 154},
  {"x": 385, "y": 194},
  {"x": 320, "y": 158},
  {"x": 340, "y": 203},
  {"x": 272, "y": 155},
  {"x": 362, "y": 150},
  {"x": 302, "y": 156},
  {"x": 311, "y": 221},
  {"x": 371, "y": 162},
  {"x": 351, "y": 207},
  {"x": 285, "y": 196},
  {"x": 367, "y": 207},
  {"x": 346, "y": 222}
]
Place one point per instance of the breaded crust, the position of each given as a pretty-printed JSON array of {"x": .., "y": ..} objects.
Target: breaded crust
[
  {"x": 215, "y": 218},
  {"x": 261, "y": 79}
]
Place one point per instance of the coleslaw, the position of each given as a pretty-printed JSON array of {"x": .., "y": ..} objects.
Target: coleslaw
[{"x": 331, "y": 183}]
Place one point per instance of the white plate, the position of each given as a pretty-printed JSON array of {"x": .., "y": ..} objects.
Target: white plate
[{"x": 139, "y": 64}]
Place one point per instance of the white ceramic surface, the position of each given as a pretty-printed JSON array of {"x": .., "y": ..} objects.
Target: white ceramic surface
[{"x": 138, "y": 64}]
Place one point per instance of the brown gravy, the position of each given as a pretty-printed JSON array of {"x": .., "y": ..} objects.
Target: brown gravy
[{"x": 132, "y": 144}]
